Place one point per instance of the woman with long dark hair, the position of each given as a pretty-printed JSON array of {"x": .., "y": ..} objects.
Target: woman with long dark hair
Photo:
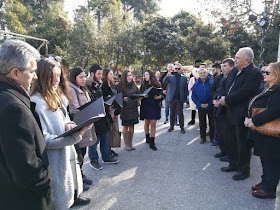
[
  {"x": 80, "y": 96},
  {"x": 51, "y": 94},
  {"x": 150, "y": 110},
  {"x": 129, "y": 114},
  {"x": 109, "y": 89}
]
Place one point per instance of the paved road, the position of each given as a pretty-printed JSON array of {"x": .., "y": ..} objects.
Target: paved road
[{"x": 182, "y": 174}]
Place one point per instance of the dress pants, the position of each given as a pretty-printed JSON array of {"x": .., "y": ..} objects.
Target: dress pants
[
  {"x": 202, "y": 124},
  {"x": 176, "y": 106},
  {"x": 271, "y": 174},
  {"x": 220, "y": 126},
  {"x": 239, "y": 146}
]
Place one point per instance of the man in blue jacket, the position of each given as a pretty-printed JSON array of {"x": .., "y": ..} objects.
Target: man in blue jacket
[
  {"x": 202, "y": 98},
  {"x": 176, "y": 95}
]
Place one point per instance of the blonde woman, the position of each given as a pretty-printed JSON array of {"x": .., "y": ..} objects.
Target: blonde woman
[{"x": 51, "y": 95}]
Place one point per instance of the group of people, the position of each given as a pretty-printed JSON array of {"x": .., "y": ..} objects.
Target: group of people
[
  {"x": 40, "y": 166},
  {"x": 38, "y": 103},
  {"x": 227, "y": 98}
]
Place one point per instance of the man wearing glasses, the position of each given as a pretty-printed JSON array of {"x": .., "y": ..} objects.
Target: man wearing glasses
[{"x": 176, "y": 95}]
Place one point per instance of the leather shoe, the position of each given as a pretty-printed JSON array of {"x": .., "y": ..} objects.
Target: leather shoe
[
  {"x": 240, "y": 176},
  {"x": 220, "y": 154},
  {"x": 81, "y": 201},
  {"x": 183, "y": 131},
  {"x": 85, "y": 187},
  {"x": 170, "y": 129},
  {"x": 257, "y": 186},
  {"x": 202, "y": 141},
  {"x": 228, "y": 168},
  {"x": 262, "y": 194},
  {"x": 224, "y": 159}
]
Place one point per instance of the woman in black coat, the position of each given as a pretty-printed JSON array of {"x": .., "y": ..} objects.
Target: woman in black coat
[
  {"x": 150, "y": 110},
  {"x": 108, "y": 90},
  {"x": 267, "y": 147}
]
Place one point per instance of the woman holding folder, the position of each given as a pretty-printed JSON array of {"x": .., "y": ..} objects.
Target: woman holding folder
[
  {"x": 108, "y": 89},
  {"x": 51, "y": 95},
  {"x": 80, "y": 96},
  {"x": 150, "y": 110},
  {"x": 129, "y": 114}
]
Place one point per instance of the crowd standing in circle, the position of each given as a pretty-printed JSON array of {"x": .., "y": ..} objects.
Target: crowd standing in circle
[{"x": 51, "y": 166}]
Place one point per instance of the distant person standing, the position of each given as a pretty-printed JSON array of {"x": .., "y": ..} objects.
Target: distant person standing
[
  {"x": 25, "y": 176},
  {"x": 193, "y": 78},
  {"x": 202, "y": 98},
  {"x": 176, "y": 95},
  {"x": 165, "y": 90}
]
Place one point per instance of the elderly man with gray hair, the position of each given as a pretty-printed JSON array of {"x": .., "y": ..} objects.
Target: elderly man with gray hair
[
  {"x": 241, "y": 84},
  {"x": 25, "y": 177}
]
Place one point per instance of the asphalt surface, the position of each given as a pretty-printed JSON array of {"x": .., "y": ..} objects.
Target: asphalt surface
[{"x": 181, "y": 174}]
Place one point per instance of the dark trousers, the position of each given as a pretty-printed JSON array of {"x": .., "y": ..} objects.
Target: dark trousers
[
  {"x": 239, "y": 146},
  {"x": 271, "y": 174},
  {"x": 220, "y": 127},
  {"x": 202, "y": 124},
  {"x": 176, "y": 106}
]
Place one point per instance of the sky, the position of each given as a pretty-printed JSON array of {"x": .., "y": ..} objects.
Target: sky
[{"x": 168, "y": 8}]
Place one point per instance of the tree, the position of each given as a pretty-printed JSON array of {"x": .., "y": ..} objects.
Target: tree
[
  {"x": 141, "y": 8},
  {"x": 15, "y": 16},
  {"x": 184, "y": 20},
  {"x": 52, "y": 24},
  {"x": 82, "y": 41},
  {"x": 160, "y": 41},
  {"x": 202, "y": 43}
]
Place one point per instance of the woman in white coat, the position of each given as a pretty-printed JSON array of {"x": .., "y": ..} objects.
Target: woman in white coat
[
  {"x": 51, "y": 95},
  {"x": 190, "y": 87}
]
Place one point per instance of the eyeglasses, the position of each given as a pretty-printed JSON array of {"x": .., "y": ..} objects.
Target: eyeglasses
[
  {"x": 177, "y": 68},
  {"x": 266, "y": 72}
]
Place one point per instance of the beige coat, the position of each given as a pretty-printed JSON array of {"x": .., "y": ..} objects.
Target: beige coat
[{"x": 79, "y": 98}]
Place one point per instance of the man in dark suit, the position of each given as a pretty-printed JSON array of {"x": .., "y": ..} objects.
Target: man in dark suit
[
  {"x": 241, "y": 84},
  {"x": 176, "y": 95},
  {"x": 25, "y": 177}
]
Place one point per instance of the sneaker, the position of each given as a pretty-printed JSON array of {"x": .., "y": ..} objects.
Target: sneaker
[
  {"x": 214, "y": 145},
  {"x": 165, "y": 122},
  {"x": 111, "y": 161},
  {"x": 177, "y": 124},
  {"x": 95, "y": 165}
]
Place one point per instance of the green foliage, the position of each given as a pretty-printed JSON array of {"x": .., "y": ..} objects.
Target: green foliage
[{"x": 160, "y": 40}]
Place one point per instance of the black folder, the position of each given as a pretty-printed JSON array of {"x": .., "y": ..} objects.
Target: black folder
[
  {"x": 151, "y": 92},
  {"x": 89, "y": 114}
]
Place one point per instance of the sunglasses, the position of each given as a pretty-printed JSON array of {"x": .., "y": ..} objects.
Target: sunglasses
[
  {"x": 52, "y": 58},
  {"x": 266, "y": 72},
  {"x": 177, "y": 68}
]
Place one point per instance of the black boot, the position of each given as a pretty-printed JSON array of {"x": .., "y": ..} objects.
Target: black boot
[
  {"x": 148, "y": 138},
  {"x": 152, "y": 144},
  {"x": 192, "y": 122}
]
